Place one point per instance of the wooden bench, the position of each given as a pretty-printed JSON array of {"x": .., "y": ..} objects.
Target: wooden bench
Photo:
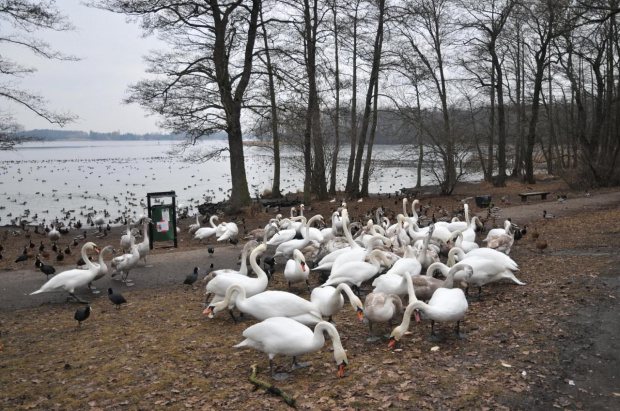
[{"x": 542, "y": 194}]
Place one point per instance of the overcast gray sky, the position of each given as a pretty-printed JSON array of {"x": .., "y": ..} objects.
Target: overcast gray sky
[{"x": 111, "y": 50}]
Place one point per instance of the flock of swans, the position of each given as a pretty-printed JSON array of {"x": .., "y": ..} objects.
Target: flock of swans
[{"x": 399, "y": 260}]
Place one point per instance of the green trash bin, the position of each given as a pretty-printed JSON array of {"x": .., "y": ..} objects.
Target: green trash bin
[
  {"x": 163, "y": 217},
  {"x": 163, "y": 223}
]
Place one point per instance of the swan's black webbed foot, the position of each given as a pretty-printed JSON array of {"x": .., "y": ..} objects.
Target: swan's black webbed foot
[
  {"x": 458, "y": 333},
  {"x": 298, "y": 365},
  {"x": 79, "y": 300}
]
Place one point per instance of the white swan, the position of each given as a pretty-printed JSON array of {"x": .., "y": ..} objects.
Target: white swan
[
  {"x": 204, "y": 233},
  {"x": 72, "y": 279},
  {"x": 102, "y": 268},
  {"x": 330, "y": 300},
  {"x": 327, "y": 262},
  {"x": 286, "y": 249},
  {"x": 485, "y": 271},
  {"x": 356, "y": 272},
  {"x": 458, "y": 255},
  {"x": 446, "y": 304},
  {"x": 358, "y": 254},
  {"x": 296, "y": 271},
  {"x": 333, "y": 231},
  {"x": 287, "y": 231},
  {"x": 283, "y": 336},
  {"x": 464, "y": 245},
  {"x": 231, "y": 232},
  {"x": 219, "y": 285},
  {"x": 498, "y": 231},
  {"x": 459, "y": 225},
  {"x": 502, "y": 242},
  {"x": 144, "y": 246},
  {"x": 125, "y": 263},
  {"x": 126, "y": 238},
  {"x": 268, "y": 304},
  {"x": 194, "y": 227}
]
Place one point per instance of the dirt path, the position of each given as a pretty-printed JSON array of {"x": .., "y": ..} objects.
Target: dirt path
[{"x": 170, "y": 268}]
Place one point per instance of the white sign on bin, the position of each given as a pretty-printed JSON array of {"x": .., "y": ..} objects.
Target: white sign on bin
[{"x": 163, "y": 226}]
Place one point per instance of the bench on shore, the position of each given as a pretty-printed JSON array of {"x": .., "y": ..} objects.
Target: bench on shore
[{"x": 542, "y": 194}]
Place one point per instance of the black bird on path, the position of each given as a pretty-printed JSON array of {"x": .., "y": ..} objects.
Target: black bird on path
[
  {"x": 208, "y": 271},
  {"x": 211, "y": 251},
  {"x": 269, "y": 261},
  {"x": 60, "y": 256},
  {"x": 23, "y": 256},
  {"x": 67, "y": 250},
  {"x": 81, "y": 314},
  {"x": 233, "y": 241},
  {"x": 116, "y": 298},
  {"x": 45, "y": 268},
  {"x": 191, "y": 278}
]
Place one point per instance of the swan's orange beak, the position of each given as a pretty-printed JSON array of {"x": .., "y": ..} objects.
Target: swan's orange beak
[
  {"x": 392, "y": 342},
  {"x": 208, "y": 310},
  {"x": 96, "y": 249},
  {"x": 360, "y": 314},
  {"x": 303, "y": 266},
  {"x": 416, "y": 315},
  {"x": 341, "y": 369}
]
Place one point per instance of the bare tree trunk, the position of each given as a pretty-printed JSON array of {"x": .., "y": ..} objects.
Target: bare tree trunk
[
  {"x": 275, "y": 188},
  {"x": 349, "y": 185},
  {"x": 332, "y": 184},
  {"x": 374, "y": 77},
  {"x": 371, "y": 142}
]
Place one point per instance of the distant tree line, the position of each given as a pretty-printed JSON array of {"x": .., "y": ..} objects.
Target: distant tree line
[{"x": 94, "y": 135}]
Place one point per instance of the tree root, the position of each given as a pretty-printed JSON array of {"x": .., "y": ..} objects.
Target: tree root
[{"x": 270, "y": 388}]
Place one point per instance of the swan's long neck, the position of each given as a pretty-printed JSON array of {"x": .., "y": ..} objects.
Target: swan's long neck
[
  {"x": 259, "y": 271},
  {"x": 241, "y": 297},
  {"x": 374, "y": 261},
  {"x": 399, "y": 331},
  {"x": 437, "y": 266},
  {"x": 212, "y": 222},
  {"x": 414, "y": 214},
  {"x": 410, "y": 289},
  {"x": 372, "y": 240},
  {"x": 405, "y": 207},
  {"x": 346, "y": 232},
  {"x": 244, "y": 260},
  {"x": 145, "y": 229},
  {"x": 423, "y": 256},
  {"x": 318, "y": 339},
  {"x": 459, "y": 253},
  {"x": 89, "y": 263},
  {"x": 459, "y": 238},
  {"x": 355, "y": 302},
  {"x": 102, "y": 265},
  {"x": 467, "y": 214}
]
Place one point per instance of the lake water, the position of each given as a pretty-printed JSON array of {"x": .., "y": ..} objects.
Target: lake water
[{"x": 52, "y": 178}]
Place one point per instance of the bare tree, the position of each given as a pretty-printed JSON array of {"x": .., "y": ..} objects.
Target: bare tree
[
  {"x": 26, "y": 17},
  {"x": 203, "y": 78}
]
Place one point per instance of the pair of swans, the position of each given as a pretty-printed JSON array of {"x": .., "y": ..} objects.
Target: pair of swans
[
  {"x": 123, "y": 264},
  {"x": 446, "y": 305},
  {"x": 204, "y": 233},
  {"x": 286, "y": 249},
  {"x": 489, "y": 266},
  {"x": 268, "y": 304},
  {"x": 356, "y": 272},
  {"x": 72, "y": 279},
  {"x": 218, "y": 286}
]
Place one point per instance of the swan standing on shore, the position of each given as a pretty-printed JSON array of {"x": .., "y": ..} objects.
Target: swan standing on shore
[
  {"x": 283, "y": 336},
  {"x": 330, "y": 300},
  {"x": 296, "y": 270},
  {"x": 447, "y": 304},
  {"x": 72, "y": 279}
]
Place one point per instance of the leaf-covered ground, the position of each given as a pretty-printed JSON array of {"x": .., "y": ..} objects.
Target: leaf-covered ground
[{"x": 549, "y": 344}]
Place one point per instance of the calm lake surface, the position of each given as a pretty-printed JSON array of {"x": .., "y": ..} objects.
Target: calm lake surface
[{"x": 52, "y": 178}]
